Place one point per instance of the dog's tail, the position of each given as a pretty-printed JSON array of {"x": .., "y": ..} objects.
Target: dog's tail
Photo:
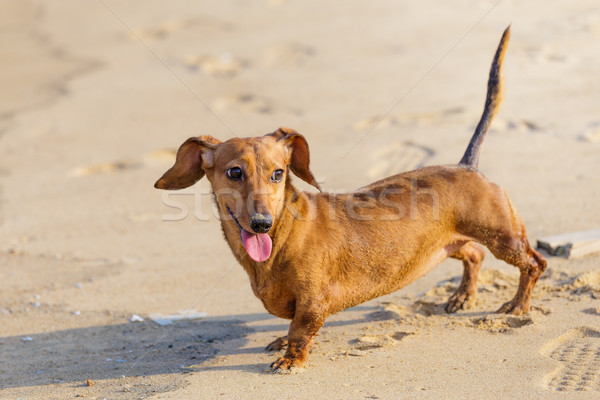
[{"x": 493, "y": 100}]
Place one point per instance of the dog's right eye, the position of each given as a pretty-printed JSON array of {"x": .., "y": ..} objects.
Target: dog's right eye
[{"x": 235, "y": 173}]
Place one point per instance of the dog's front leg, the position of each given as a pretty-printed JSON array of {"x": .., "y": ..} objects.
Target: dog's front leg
[{"x": 304, "y": 327}]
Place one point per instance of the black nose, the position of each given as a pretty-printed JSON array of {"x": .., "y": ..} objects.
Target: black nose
[{"x": 261, "y": 223}]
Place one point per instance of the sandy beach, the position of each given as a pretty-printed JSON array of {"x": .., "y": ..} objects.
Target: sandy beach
[{"x": 96, "y": 97}]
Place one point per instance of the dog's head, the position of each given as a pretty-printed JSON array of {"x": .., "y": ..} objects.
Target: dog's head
[{"x": 248, "y": 176}]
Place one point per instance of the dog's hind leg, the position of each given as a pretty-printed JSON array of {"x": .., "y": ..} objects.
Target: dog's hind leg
[
  {"x": 471, "y": 255},
  {"x": 531, "y": 264},
  {"x": 503, "y": 232}
]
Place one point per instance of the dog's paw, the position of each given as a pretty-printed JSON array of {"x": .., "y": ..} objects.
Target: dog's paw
[
  {"x": 514, "y": 307},
  {"x": 459, "y": 301},
  {"x": 287, "y": 363},
  {"x": 277, "y": 344}
]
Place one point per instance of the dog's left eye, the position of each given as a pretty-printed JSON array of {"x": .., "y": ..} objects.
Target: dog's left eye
[{"x": 277, "y": 175}]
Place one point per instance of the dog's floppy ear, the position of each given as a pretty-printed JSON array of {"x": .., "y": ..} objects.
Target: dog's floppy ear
[
  {"x": 194, "y": 156},
  {"x": 300, "y": 154}
]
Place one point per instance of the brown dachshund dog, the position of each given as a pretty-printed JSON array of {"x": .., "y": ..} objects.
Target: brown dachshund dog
[{"x": 309, "y": 255}]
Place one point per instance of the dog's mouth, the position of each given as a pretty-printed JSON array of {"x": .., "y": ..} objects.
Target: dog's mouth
[{"x": 257, "y": 245}]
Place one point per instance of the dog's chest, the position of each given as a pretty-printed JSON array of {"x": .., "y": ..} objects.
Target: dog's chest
[{"x": 276, "y": 300}]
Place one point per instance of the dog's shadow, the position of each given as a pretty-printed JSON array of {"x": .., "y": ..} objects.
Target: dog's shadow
[
  {"x": 136, "y": 349},
  {"x": 263, "y": 322},
  {"x": 112, "y": 351}
]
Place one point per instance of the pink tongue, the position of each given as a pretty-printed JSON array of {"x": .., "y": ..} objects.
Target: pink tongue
[{"x": 258, "y": 246}]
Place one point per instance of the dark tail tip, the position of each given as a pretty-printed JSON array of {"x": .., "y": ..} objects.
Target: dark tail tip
[{"x": 493, "y": 100}]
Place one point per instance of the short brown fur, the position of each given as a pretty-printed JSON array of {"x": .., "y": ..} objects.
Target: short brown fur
[{"x": 333, "y": 251}]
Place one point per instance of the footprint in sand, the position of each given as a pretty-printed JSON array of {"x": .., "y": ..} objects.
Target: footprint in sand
[
  {"x": 398, "y": 157},
  {"x": 494, "y": 323},
  {"x": 592, "y": 311},
  {"x": 493, "y": 280},
  {"x": 592, "y": 133},
  {"x": 454, "y": 115},
  {"x": 104, "y": 168},
  {"x": 250, "y": 103},
  {"x": 592, "y": 24},
  {"x": 391, "y": 120},
  {"x": 223, "y": 65},
  {"x": 159, "y": 155},
  {"x": 363, "y": 344},
  {"x": 588, "y": 22},
  {"x": 201, "y": 27},
  {"x": 390, "y": 311},
  {"x": 287, "y": 55},
  {"x": 547, "y": 54},
  {"x": 577, "y": 352},
  {"x": 518, "y": 125},
  {"x": 571, "y": 286}
]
